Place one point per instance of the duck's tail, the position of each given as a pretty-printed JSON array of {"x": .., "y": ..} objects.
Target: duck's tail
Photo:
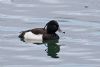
[{"x": 21, "y": 35}]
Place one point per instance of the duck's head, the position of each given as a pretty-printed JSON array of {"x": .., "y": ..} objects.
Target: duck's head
[{"x": 52, "y": 26}]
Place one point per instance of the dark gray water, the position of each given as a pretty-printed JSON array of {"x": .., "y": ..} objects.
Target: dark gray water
[{"x": 78, "y": 47}]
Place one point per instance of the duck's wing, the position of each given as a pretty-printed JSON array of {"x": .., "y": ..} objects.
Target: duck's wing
[
  {"x": 38, "y": 31},
  {"x": 34, "y": 31}
]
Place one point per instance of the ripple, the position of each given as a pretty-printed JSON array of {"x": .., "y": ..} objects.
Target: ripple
[
  {"x": 70, "y": 13},
  {"x": 97, "y": 60},
  {"x": 15, "y": 48},
  {"x": 25, "y": 5},
  {"x": 64, "y": 65},
  {"x": 78, "y": 49},
  {"x": 15, "y": 29},
  {"x": 6, "y": 1},
  {"x": 76, "y": 53},
  {"x": 97, "y": 33},
  {"x": 20, "y": 10},
  {"x": 78, "y": 30},
  {"x": 51, "y": 1},
  {"x": 84, "y": 23},
  {"x": 69, "y": 39},
  {"x": 10, "y": 16},
  {"x": 87, "y": 57},
  {"x": 26, "y": 18},
  {"x": 93, "y": 43},
  {"x": 43, "y": 59}
]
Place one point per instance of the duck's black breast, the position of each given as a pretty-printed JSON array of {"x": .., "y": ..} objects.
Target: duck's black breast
[{"x": 50, "y": 36}]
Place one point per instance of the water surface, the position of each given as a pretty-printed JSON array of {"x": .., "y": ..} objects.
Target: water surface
[{"x": 78, "y": 47}]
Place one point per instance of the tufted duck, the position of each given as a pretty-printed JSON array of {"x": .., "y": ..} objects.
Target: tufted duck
[{"x": 46, "y": 33}]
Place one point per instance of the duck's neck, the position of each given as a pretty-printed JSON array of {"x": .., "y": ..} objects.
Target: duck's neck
[{"x": 51, "y": 33}]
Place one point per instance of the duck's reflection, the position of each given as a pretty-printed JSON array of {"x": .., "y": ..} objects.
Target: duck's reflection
[{"x": 52, "y": 47}]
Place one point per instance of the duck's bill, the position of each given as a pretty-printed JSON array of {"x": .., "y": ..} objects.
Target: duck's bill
[{"x": 59, "y": 30}]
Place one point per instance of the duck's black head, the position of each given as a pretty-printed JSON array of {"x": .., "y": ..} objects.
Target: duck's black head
[{"x": 52, "y": 26}]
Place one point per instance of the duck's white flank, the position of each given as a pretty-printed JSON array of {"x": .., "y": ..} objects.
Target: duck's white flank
[{"x": 30, "y": 35}]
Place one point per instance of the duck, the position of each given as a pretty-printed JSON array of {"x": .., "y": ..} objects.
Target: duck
[{"x": 48, "y": 32}]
